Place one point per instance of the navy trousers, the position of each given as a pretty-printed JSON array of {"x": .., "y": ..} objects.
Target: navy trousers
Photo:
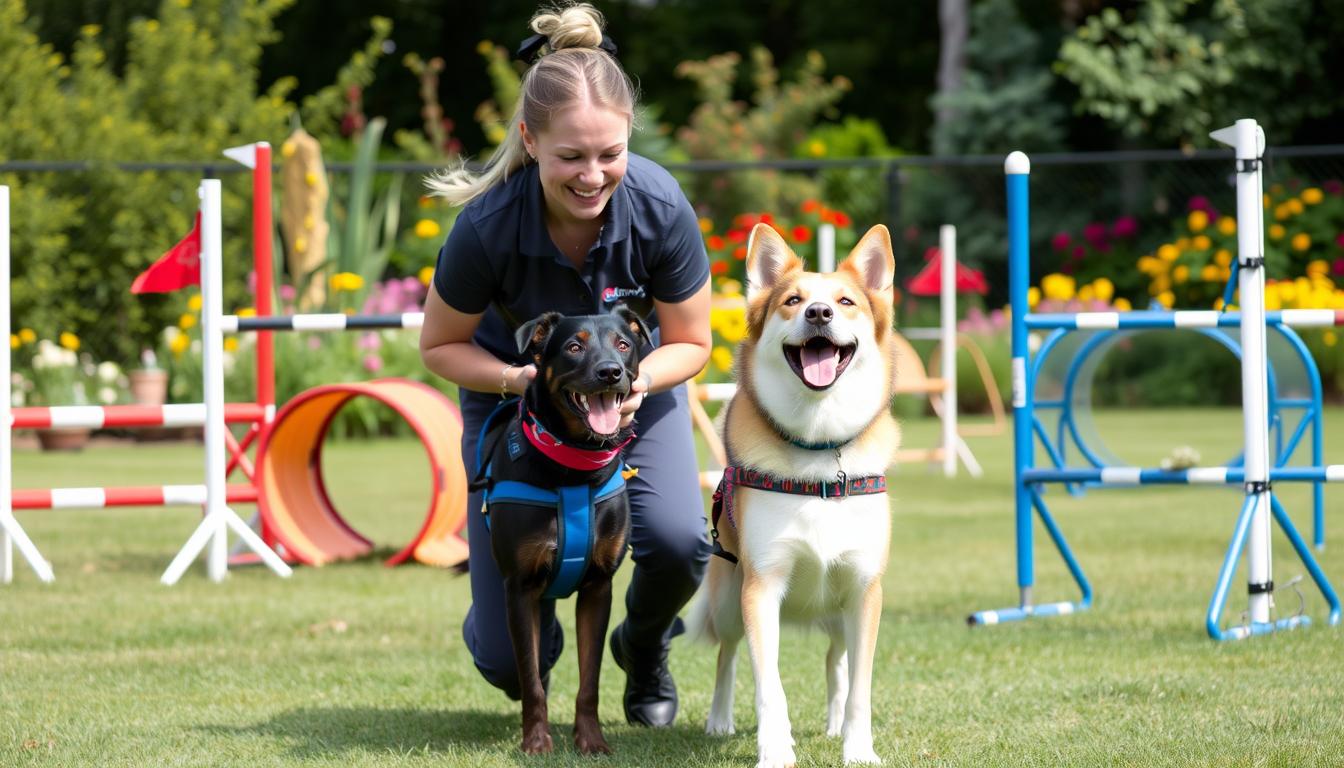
[{"x": 668, "y": 539}]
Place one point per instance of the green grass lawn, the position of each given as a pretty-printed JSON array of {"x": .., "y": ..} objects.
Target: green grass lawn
[{"x": 359, "y": 664}]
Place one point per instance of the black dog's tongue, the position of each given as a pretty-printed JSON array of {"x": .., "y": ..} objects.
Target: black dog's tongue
[{"x": 604, "y": 413}]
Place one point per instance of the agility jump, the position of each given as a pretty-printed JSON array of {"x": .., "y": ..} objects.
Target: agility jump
[
  {"x": 1257, "y": 474},
  {"x": 297, "y": 516}
]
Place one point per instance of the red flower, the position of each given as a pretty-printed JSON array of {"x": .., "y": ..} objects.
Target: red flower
[
  {"x": 802, "y": 234},
  {"x": 841, "y": 220},
  {"x": 740, "y": 252},
  {"x": 1061, "y": 241},
  {"x": 715, "y": 243},
  {"x": 767, "y": 218},
  {"x": 811, "y": 206},
  {"x": 737, "y": 235},
  {"x": 717, "y": 267}
]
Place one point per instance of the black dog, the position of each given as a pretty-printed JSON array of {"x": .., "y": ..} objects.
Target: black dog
[{"x": 560, "y": 446}]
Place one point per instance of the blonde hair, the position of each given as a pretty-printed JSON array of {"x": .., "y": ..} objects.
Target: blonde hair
[{"x": 571, "y": 69}]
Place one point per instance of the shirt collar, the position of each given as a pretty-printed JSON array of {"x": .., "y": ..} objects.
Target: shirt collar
[{"x": 533, "y": 238}]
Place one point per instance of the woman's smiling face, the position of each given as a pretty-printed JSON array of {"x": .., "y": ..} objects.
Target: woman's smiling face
[{"x": 581, "y": 157}]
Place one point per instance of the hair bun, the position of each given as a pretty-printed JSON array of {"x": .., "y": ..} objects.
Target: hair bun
[{"x": 571, "y": 26}]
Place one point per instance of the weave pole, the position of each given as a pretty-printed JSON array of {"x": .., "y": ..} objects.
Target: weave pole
[
  {"x": 219, "y": 518},
  {"x": 11, "y": 533}
]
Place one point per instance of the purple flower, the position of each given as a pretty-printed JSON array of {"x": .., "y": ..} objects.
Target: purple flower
[
  {"x": 1338, "y": 267},
  {"x": 1125, "y": 226},
  {"x": 1061, "y": 241},
  {"x": 1333, "y": 186},
  {"x": 1095, "y": 233},
  {"x": 1199, "y": 203},
  {"x": 1079, "y": 252}
]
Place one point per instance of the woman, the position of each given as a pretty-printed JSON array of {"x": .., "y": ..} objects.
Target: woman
[{"x": 565, "y": 218}]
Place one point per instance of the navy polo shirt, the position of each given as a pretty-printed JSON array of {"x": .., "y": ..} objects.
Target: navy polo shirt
[{"x": 499, "y": 258}]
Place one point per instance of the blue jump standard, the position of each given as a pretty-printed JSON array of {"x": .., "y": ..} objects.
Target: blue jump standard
[{"x": 1028, "y": 479}]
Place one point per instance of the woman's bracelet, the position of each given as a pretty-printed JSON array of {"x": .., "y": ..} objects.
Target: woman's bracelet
[{"x": 504, "y": 380}]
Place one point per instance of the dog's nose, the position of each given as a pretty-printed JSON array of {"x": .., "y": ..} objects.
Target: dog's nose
[
  {"x": 818, "y": 314},
  {"x": 610, "y": 372}
]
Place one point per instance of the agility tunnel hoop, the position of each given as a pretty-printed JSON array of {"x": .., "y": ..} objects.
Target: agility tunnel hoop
[
  {"x": 1256, "y": 474},
  {"x": 297, "y": 510}
]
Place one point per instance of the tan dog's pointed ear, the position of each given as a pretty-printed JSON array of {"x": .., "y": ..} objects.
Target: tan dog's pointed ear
[
  {"x": 873, "y": 262},
  {"x": 768, "y": 259}
]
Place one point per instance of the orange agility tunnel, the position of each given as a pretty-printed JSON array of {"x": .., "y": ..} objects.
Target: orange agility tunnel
[{"x": 296, "y": 511}]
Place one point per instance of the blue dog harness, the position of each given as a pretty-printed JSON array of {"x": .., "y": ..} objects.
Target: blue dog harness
[{"x": 574, "y": 506}]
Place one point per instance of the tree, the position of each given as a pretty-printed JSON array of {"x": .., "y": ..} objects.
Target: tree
[{"x": 1176, "y": 69}]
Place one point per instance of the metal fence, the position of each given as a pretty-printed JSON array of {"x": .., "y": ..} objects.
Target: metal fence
[{"x": 914, "y": 195}]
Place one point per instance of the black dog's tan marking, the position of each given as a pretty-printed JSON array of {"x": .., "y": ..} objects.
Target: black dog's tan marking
[{"x": 591, "y": 355}]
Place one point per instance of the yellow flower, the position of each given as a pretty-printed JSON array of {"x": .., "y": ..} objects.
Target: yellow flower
[
  {"x": 1273, "y": 302},
  {"x": 1294, "y": 206},
  {"x": 1312, "y": 195},
  {"x": 1208, "y": 273},
  {"x": 1168, "y": 252},
  {"x": 722, "y": 358},
  {"x": 1301, "y": 241},
  {"x": 816, "y": 148},
  {"x": 70, "y": 341},
  {"x": 179, "y": 344},
  {"x": 288, "y": 149},
  {"x": 1222, "y": 257},
  {"x": 426, "y": 275},
  {"x": 1197, "y": 221},
  {"x": 346, "y": 281},
  {"x": 1282, "y": 212},
  {"x": 247, "y": 312},
  {"x": 1033, "y": 297},
  {"x": 1087, "y": 293},
  {"x": 1104, "y": 288},
  {"x": 13, "y": 341},
  {"x": 427, "y": 228},
  {"x": 1183, "y": 244},
  {"x": 733, "y": 325},
  {"x": 1318, "y": 268},
  {"x": 1180, "y": 274},
  {"x": 1276, "y": 232},
  {"x": 485, "y": 47},
  {"x": 1266, "y": 201},
  {"x": 1227, "y": 225},
  {"x": 195, "y": 302},
  {"x": 1122, "y": 305},
  {"x": 152, "y": 25},
  {"x": 186, "y": 321},
  {"x": 1058, "y": 287},
  {"x": 1329, "y": 338},
  {"x": 1166, "y": 299},
  {"x": 231, "y": 344},
  {"x": 1149, "y": 265},
  {"x": 27, "y": 335},
  {"x": 1202, "y": 243},
  {"x": 706, "y": 225},
  {"x": 1286, "y": 291}
]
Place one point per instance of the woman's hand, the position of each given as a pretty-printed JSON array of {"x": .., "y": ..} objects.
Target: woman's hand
[
  {"x": 638, "y": 390},
  {"x": 516, "y": 378}
]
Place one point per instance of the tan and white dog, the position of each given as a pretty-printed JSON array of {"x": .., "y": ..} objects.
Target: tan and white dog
[{"x": 809, "y": 435}]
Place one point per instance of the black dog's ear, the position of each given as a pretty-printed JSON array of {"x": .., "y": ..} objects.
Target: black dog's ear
[
  {"x": 536, "y": 331},
  {"x": 634, "y": 321}
]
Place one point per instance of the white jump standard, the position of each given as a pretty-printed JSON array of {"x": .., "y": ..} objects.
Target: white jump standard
[{"x": 1257, "y": 475}]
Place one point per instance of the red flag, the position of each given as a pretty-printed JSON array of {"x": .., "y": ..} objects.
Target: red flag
[{"x": 178, "y": 268}]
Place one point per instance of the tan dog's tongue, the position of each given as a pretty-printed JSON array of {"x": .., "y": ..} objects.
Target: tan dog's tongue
[
  {"x": 819, "y": 365},
  {"x": 603, "y": 415}
]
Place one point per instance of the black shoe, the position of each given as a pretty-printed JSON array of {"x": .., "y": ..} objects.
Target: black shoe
[{"x": 650, "y": 694}]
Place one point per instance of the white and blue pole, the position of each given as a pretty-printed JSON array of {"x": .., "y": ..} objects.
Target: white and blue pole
[{"x": 1017, "y": 169}]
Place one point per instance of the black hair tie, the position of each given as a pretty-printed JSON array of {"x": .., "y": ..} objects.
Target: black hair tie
[{"x": 529, "y": 49}]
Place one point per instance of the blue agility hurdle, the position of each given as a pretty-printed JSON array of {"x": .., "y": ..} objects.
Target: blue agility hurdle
[{"x": 1254, "y": 470}]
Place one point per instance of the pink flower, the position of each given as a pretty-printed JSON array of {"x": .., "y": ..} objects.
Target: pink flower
[
  {"x": 1061, "y": 241},
  {"x": 1333, "y": 186},
  {"x": 1125, "y": 226},
  {"x": 373, "y": 363},
  {"x": 1338, "y": 267},
  {"x": 1079, "y": 252},
  {"x": 1339, "y": 239},
  {"x": 1199, "y": 203},
  {"x": 1095, "y": 233},
  {"x": 369, "y": 341},
  {"x": 287, "y": 292}
]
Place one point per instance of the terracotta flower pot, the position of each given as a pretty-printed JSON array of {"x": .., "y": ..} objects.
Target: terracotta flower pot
[
  {"x": 63, "y": 439},
  {"x": 149, "y": 386}
]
